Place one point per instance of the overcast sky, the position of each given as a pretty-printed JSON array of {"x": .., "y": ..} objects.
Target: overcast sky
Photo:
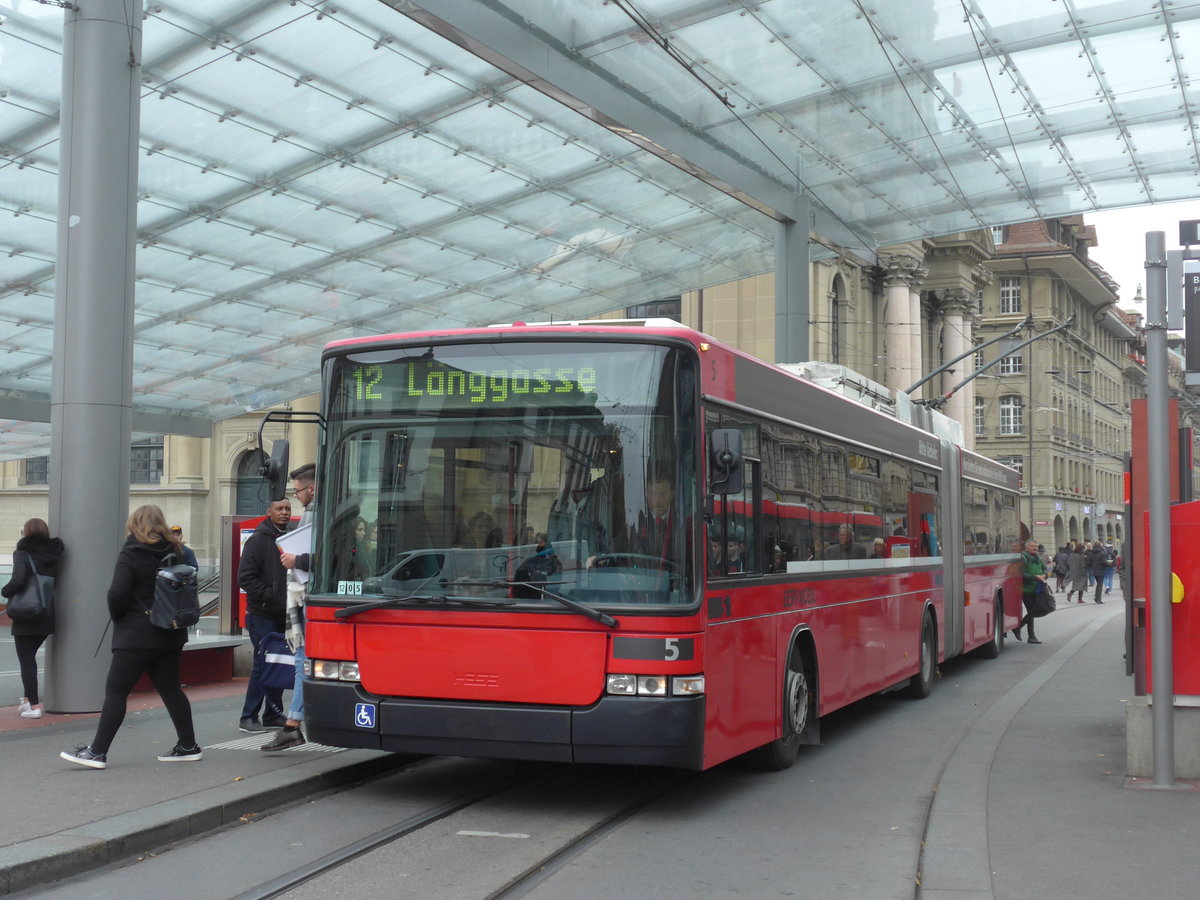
[{"x": 1121, "y": 236}]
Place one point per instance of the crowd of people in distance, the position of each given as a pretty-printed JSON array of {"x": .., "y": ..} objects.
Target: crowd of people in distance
[{"x": 1076, "y": 567}]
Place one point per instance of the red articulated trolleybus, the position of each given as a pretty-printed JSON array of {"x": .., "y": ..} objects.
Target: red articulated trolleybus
[{"x": 624, "y": 542}]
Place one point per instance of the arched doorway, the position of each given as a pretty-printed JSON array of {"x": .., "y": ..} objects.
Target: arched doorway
[{"x": 250, "y": 494}]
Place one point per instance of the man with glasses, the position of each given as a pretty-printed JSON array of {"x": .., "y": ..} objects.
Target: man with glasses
[{"x": 304, "y": 489}]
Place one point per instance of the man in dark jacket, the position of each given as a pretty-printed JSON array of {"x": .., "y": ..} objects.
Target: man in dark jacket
[
  {"x": 1097, "y": 560},
  {"x": 264, "y": 579}
]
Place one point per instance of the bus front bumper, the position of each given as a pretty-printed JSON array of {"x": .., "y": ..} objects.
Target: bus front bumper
[{"x": 647, "y": 731}]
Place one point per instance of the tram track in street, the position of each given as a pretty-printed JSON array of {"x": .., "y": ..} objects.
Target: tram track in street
[{"x": 519, "y": 790}]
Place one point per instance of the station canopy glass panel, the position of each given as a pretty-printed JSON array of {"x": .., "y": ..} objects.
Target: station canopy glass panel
[{"x": 320, "y": 170}]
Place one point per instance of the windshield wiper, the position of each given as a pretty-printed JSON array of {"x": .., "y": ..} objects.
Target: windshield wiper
[
  {"x": 582, "y": 608},
  {"x": 424, "y": 599}
]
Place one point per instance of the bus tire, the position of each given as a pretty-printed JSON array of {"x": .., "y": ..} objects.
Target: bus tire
[
  {"x": 921, "y": 684},
  {"x": 992, "y": 648},
  {"x": 799, "y": 715}
]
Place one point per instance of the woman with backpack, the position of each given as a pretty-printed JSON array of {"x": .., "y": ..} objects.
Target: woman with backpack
[
  {"x": 44, "y": 552},
  {"x": 138, "y": 646}
]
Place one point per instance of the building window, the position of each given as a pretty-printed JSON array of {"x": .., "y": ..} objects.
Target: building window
[
  {"x": 1010, "y": 295},
  {"x": 998, "y": 234},
  {"x": 980, "y": 362},
  {"x": 1014, "y": 462},
  {"x": 1012, "y": 415},
  {"x": 1012, "y": 365},
  {"x": 37, "y": 470},
  {"x": 146, "y": 461},
  {"x": 980, "y": 416},
  {"x": 667, "y": 308}
]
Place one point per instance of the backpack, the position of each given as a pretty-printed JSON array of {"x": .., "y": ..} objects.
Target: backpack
[{"x": 176, "y": 596}]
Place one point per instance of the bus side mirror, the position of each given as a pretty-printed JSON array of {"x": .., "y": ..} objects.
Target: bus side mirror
[
  {"x": 274, "y": 469},
  {"x": 725, "y": 460}
]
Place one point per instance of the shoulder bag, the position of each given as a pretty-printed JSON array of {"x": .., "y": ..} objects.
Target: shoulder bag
[
  {"x": 1042, "y": 603},
  {"x": 35, "y": 597},
  {"x": 278, "y": 662}
]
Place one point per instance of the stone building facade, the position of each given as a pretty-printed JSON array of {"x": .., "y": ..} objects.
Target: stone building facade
[{"x": 1058, "y": 410}]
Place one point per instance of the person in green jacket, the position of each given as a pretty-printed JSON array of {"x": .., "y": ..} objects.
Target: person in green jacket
[{"x": 1033, "y": 571}]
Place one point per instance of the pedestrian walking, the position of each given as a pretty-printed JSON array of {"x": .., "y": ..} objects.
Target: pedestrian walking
[
  {"x": 1110, "y": 566},
  {"x": 1077, "y": 573},
  {"x": 1033, "y": 574},
  {"x": 44, "y": 552},
  {"x": 1097, "y": 559},
  {"x": 138, "y": 646},
  {"x": 1060, "y": 567}
]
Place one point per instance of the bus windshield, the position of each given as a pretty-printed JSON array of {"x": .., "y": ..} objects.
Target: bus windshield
[{"x": 522, "y": 473}]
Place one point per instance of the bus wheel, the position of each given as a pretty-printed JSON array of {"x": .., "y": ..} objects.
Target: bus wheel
[
  {"x": 922, "y": 683},
  {"x": 798, "y": 713},
  {"x": 992, "y": 648}
]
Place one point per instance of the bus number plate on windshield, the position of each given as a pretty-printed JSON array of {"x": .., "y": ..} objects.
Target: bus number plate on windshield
[{"x": 664, "y": 649}]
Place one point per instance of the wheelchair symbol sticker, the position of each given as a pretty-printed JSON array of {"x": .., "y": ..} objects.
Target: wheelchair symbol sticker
[{"x": 364, "y": 715}]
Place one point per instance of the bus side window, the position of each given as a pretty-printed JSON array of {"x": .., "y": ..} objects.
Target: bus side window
[{"x": 741, "y": 523}]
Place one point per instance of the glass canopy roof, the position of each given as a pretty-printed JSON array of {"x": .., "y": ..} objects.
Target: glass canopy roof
[{"x": 317, "y": 170}]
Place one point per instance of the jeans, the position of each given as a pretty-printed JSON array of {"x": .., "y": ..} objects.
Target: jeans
[
  {"x": 296, "y": 712},
  {"x": 259, "y": 628},
  {"x": 1108, "y": 578}
]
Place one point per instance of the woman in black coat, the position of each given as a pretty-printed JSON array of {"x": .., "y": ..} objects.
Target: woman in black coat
[
  {"x": 30, "y": 634},
  {"x": 138, "y": 646}
]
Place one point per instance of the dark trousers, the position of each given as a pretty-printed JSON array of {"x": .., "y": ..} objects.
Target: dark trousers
[
  {"x": 259, "y": 628},
  {"x": 1027, "y": 599},
  {"x": 1099, "y": 589},
  {"x": 27, "y": 648},
  {"x": 162, "y": 665}
]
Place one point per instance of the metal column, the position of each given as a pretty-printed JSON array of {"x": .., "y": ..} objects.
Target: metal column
[
  {"x": 792, "y": 304},
  {"x": 1159, "y": 503},
  {"x": 91, "y": 397}
]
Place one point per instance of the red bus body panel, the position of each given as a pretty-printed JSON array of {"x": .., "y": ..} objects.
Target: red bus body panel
[{"x": 865, "y": 621}]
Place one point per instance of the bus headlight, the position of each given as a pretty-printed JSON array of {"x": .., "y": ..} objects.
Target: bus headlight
[
  {"x": 622, "y": 684},
  {"x": 652, "y": 686},
  {"x": 655, "y": 685},
  {"x": 333, "y": 669}
]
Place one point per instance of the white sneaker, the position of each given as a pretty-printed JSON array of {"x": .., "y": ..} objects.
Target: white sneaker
[
  {"x": 31, "y": 713},
  {"x": 23, "y": 707}
]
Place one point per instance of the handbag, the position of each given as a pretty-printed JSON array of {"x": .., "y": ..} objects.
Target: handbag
[
  {"x": 278, "y": 668},
  {"x": 35, "y": 597},
  {"x": 1042, "y": 602}
]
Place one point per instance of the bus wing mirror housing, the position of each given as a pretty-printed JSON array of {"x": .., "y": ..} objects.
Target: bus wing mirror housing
[
  {"x": 725, "y": 460},
  {"x": 274, "y": 468}
]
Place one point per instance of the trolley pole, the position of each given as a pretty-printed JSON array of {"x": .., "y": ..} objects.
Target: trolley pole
[{"x": 1159, "y": 502}]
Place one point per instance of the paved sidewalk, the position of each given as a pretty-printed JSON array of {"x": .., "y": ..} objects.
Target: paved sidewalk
[
  {"x": 1032, "y": 803},
  {"x": 61, "y": 819}
]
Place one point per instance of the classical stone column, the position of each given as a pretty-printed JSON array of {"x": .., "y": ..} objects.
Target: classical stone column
[
  {"x": 957, "y": 307},
  {"x": 902, "y": 319}
]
